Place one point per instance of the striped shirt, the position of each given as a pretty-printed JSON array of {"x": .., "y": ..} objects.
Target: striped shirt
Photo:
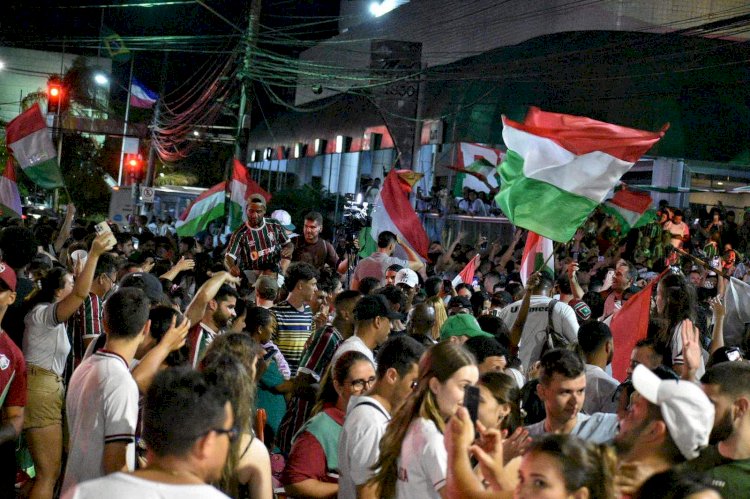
[
  {"x": 255, "y": 247},
  {"x": 199, "y": 337},
  {"x": 317, "y": 357},
  {"x": 292, "y": 331},
  {"x": 85, "y": 324}
]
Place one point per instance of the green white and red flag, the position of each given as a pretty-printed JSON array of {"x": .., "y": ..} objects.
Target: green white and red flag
[
  {"x": 10, "y": 199},
  {"x": 240, "y": 187},
  {"x": 559, "y": 168},
  {"x": 29, "y": 141},
  {"x": 630, "y": 208},
  {"x": 467, "y": 274},
  {"x": 205, "y": 208},
  {"x": 537, "y": 255}
]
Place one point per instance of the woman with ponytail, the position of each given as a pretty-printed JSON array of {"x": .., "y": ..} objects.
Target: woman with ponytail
[
  {"x": 46, "y": 348},
  {"x": 413, "y": 459}
]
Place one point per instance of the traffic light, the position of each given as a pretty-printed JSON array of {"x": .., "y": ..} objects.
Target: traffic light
[
  {"x": 134, "y": 165},
  {"x": 54, "y": 94}
]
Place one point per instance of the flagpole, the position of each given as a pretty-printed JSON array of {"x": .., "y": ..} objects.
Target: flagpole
[{"x": 125, "y": 125}]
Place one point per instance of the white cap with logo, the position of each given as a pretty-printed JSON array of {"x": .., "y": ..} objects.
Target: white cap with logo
[{"x": 408, "y": 277}]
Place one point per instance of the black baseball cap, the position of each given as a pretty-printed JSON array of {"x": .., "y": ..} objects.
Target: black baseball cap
[
  {"x": 146, "y": 282},
  {"x": 372, "y": 306}
]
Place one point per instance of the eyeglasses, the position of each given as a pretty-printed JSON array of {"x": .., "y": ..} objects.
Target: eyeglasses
[
  {"x": 362, "y": 384},
  {"x": 231, "y": 433}
]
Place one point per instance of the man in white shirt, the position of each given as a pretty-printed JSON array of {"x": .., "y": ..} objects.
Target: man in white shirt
[
  {"x": 376, "y": 264},
  {"x": 679, "y": 229},
  {"x": 184, "y": 457},
  {"x": 373, "y": 317},
  {"x": 534, "y": 332},
  {"x": 102, "y": 399},
  {"x": 595, "y": 339},
  {"x": 368, "y": 415}
]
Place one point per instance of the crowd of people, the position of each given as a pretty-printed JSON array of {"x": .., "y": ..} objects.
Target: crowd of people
[{"x": 140, "y": 364}]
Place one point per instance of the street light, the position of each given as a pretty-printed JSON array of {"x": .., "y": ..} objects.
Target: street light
[
  {"x": 378, "y": 9},
  {"x": 101, "y": 79},
  {"x": 2, "y": 65}
]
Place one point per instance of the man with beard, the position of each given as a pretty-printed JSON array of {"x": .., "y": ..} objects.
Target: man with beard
[
  {"x": 562, "y": 387},
  {"x": 595, "y": 339},
  {"x": 727, "y": 461},
  {"x": 312, "y": 248},
  {"x": 668, "y": 422},
  {"x": 218, "y": 311}
]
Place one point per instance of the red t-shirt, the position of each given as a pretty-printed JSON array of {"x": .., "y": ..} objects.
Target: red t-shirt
[{"x": 12, "y": 374}]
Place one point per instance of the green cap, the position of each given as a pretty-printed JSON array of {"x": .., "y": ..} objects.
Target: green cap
[{"x": 462, "y": 325}]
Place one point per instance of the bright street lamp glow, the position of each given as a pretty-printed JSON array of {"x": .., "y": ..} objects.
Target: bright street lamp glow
[
  {"x": 377, "y": 9},
  {"x": 2, "y": 65},
  {"x": 196, "y": 133},
  {"x": 101, "y": 79}
]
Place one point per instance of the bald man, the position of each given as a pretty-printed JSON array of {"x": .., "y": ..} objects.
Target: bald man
[{"x": 420, "y": 324}]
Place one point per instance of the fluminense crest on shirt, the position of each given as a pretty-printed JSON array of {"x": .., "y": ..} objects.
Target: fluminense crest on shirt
[{"x": 4, "y": 362}]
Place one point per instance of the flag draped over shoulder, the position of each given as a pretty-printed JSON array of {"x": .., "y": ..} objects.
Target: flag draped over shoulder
[
  {"x": 28, "y": 139},
  {"x": 10, "y": 199},
  {"x": 630, "y": 208},
  {"x": 537, "y": 255},
  {"x": 467, "y": 274},
  {"x": 393, "y": 212},
  {"x": 205, "y": 208},
  {"x": 559, "y": 167},
  {"x": 477, "y": 164},
  {"x": 630, "y": 324},
  {"x": 240, "y": 187}
]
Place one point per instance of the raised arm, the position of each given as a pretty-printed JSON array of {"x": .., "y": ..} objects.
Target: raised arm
[
  {"x": 415, "y": 262},
  {"x": 65, "y": 229},
  {"x": 196, "y": 309},
  {"x": 67, "y": 307}
]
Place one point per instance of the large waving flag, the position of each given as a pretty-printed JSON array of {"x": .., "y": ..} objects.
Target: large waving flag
[
  {"x": 29, "y": 141},
  {"x": 205, "y": 208},
  {"x": 393, "y": 212},
  {"x": 140, "y": 96},
  {"x": 559, "y": 167},
  {"x": 630, "y": 208},
  {"x": 10, "y": 200},
  {"x": 240, "y": 187},
  {"x": 537, "y": 255}
]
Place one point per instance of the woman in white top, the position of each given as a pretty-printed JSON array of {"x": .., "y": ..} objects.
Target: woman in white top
[
  {"x": 46, "y": 348},
  {"x": 676, "y": 309},
  {"x": 413, "y": 459}
]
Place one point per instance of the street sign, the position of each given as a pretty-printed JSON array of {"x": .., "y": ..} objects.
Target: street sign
[{"x": 147, "y": 194}]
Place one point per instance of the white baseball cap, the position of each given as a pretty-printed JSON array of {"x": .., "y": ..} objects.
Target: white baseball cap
[
  {"x": 408, "y": 277},
  {"x": 284, "y": 218},
  {"x": 685, "y": 408}
]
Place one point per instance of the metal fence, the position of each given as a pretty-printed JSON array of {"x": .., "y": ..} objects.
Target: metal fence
[{"x": 446, "y": 227}]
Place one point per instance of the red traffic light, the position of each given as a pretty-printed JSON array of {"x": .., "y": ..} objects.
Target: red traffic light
[{"x": 54, "y": 95}]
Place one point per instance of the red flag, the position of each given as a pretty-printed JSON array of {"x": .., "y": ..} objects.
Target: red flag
[
  {"x": 467, "y": 274},
  {"x": 629, "y": 325}
]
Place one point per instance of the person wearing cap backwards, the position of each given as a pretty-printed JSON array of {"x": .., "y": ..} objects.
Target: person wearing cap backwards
[
  {"x": 259, "y": 241},
  {"x": 312, "y": 248},
  {"x": 285, "y": 219},
  {"x": 668, "y": 422},
  {"x": 12, "y": 388},
  {"x": 373, "y": 316}
]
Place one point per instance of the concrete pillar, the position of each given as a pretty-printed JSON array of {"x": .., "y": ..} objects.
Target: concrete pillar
[{"x": 669, "y": 172}]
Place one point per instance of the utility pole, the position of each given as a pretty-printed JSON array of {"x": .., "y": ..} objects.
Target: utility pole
[
  {"x": 155, "y": 122},
  {"x": 246, "y": 95}
]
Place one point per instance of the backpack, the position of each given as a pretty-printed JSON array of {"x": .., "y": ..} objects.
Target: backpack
[{"x": 553, "y": 339}]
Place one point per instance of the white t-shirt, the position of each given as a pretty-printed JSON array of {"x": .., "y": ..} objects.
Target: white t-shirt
[
  {"x": 600, "y": 387},
  {"x": 122, "y": 486},
  {"x": 364, "y": 426},
  {"x": 102, "y": 407},
  {"x": 534, "y": 331},
  {"x": 423, "y": 462},
  {"x": 45, "y": 341},
  {"x": 353, "y": 343}
]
